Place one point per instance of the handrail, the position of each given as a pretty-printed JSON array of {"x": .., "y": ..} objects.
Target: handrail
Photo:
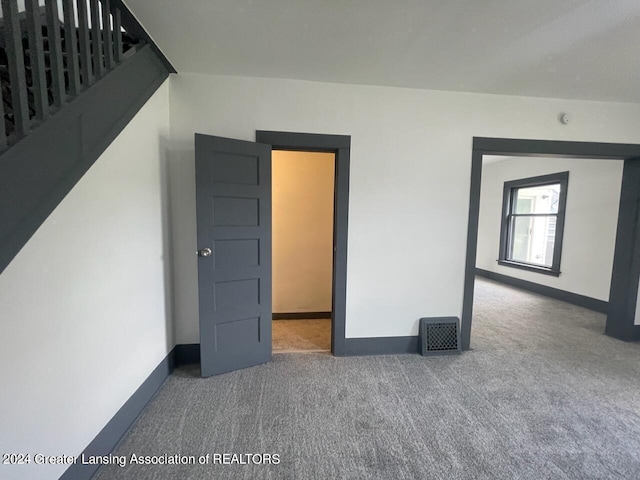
[{"x": 54, "y": 50}]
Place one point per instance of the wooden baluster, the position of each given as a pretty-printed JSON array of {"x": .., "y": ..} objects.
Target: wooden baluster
[
  {"x": 17, "y": 76},
  {"x": 36, "y": 55},
  {"x": 85, "y": 43},
  {"x": 55, "y": 53},
  {"x": 3, "y": 131},
  {"x": 117, "y": 33},
  {"x": 71, "y": 47},
  {"x": 107, "y": 35},
  {"x": 96, "y": 39}
]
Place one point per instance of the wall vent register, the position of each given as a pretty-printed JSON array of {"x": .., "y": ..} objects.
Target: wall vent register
[{"x": 439, "y": 336}]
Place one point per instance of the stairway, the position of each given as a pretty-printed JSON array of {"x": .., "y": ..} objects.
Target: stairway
[
  {"x": 128, "y": 43},
  {"x": 73, "y": 73}
]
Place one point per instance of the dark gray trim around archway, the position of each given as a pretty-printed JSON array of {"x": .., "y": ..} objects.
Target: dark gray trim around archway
[
  {"x": 341, "y": 146},
  {"x": 626, "y": 267}
]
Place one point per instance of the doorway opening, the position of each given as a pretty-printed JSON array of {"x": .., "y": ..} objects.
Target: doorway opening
[
  {"x": 303, "y": 191},
  {"x": 340, "y": 147},
  {"x": 233, "y": 213},
  {"x": 623, "y": 313},
  {"x": 545, "y": 248}
]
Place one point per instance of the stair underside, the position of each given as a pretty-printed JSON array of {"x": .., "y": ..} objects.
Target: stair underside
[{"x": 38, "y": 171}]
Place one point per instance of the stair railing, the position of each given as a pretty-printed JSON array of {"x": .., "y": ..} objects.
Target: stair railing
[{"x": 54, "y": 50}]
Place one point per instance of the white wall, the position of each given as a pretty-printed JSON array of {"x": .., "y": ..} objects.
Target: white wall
[
  {"x": 593, "y": 198},
  {"x": 409, "y": 186},
  {"x": 85, "y": 316},
  {"x": 302, "y": 229}
]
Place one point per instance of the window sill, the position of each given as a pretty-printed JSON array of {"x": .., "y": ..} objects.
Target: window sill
[{"x": 529, "y": 267}]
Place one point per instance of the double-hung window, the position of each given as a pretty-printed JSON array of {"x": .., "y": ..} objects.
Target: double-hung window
[{"x": 533, "y": 211}]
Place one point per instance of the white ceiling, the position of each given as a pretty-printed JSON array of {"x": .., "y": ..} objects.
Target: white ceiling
[{"x": 579, "y": 49}]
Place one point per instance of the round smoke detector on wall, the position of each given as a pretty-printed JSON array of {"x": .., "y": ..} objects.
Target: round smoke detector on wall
[{"x": 564, "y": 118}]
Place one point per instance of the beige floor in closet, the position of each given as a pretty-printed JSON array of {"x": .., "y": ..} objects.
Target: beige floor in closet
[{"x": 301, "y": 336}]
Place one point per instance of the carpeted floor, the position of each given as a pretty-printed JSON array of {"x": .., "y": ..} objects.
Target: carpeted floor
[
  {"x": 301, "y": 335},
  {"x": 542, "y": 395}
]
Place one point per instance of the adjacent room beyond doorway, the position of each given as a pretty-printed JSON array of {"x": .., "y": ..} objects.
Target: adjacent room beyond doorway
[
  {"x": 546, "y": 226},
  {"x": 303, "y": 197}
]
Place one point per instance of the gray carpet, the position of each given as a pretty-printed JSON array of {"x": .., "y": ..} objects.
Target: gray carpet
[{"x": 543, "y": 395}]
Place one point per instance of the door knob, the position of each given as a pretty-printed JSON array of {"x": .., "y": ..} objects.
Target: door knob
[{"x": 205, "y": 252}]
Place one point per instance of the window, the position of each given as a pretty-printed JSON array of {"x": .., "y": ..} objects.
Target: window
[{"x": 533, "y": 223}]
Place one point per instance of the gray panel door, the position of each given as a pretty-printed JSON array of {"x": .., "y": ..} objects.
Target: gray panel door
[{"x": 233, "y": 206}]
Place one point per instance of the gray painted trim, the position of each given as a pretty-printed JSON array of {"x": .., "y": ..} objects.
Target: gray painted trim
[
  {"x": 309, "y": 142},
  {"x": 190, "y": 353},
  {"x": 108, "y": 438},
  {"x": 56, "y": 57},
  {"x": 551, "y": 148},
  {"x": 187, "y": 354},
  {"x": 301, "y": 315},
  {"x": 381, "y": 345},
  {"x": 472, "y": 241},
  {"x": 117, "y": 27},
  {"x": 626, "y": 264},
  {"x": 507, "y": 206},
  {"x": 529, "y": 267},
  {"x": 341, "y": 146},
  {"x": 107, "y": 36},
  {"x": 119, "y": 425},
  {"x": 619, "y": 324},
  {"x": 36, "y": 60},
  {"x": 17, "y": 72},
  {"x": 96, "y": 40},
  {"x": 84, "y": 39},
  {"x": 71, "y": 47},
  {"x": 569, "y": 297},
  {"x": 136, "y": 30},
  {"x": 39, "y": 171}
]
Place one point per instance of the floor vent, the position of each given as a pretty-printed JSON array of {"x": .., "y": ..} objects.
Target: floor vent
[{"x": 439, "y": 336}]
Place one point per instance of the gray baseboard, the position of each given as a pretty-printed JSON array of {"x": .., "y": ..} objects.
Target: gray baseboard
[
  {"x": 110, "y": 435},
  {"x": 119, "y": 425},
  {"x": 569, "y": 297},
  {"x": 381, "y": 345},
  {"x": 187, "y": 354},
  {"x": 301, "y": 315}
]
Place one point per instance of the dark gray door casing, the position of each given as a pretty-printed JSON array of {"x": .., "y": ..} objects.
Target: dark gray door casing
[
  {"x": 233, "y": 210},
  {"x": 625, "y": 277},
  {"x": 626, "y": 262},
  {"x": 341, "y": 146}
]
